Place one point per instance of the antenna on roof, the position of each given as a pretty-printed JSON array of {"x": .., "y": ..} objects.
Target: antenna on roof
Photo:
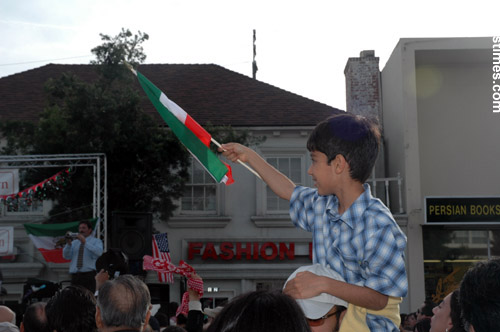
[{"x": 254, "y": 63}]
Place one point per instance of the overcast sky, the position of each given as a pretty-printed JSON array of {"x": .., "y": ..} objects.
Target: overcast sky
[{"x": 302, "y": 46}]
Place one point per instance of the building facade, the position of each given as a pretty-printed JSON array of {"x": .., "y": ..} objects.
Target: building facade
[
  {"x": 237, "y": 237},
  {"x": 441, "y": 133}
]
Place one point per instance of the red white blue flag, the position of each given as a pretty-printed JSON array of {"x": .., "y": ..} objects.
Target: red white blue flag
[{"x": 161, "y": 251}]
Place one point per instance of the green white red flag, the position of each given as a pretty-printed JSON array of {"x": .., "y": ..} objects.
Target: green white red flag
[
  {"x": 49, "y": 238},
  {"x": 188, "y": 131}
]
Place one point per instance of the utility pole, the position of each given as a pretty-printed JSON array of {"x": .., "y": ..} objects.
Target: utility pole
[{"x": 254, "y": 63}]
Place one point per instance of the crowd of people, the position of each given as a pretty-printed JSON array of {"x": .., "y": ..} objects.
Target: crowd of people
[
  {"x": 356, "y": 283},
  {"x": 474, "y": 306},
  {"x": 123, "y": 304}
]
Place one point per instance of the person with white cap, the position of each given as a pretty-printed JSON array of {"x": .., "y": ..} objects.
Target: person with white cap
[{"x": 324, "y": 312}]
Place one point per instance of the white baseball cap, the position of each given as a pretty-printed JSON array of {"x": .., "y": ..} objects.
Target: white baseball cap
[{"x": 318, "y": 306}]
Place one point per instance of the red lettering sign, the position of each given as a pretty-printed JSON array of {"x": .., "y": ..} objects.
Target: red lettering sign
[
  {"x": 209, "y": 251},
  {"x": 243, "y": 251},
  {"x": 274, "y": 251},
  {"x": 290, "y": 252},
  {"x": 194, "y": 248},
  {"x": 247, "y": 250},
  {"x": 226, "y": 251}
]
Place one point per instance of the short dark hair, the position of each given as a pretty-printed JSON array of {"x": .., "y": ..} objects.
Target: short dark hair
[
  {"x": 423, "y": 325},
  {"x": 261, "y": 311},
  {"x": 34, "y": 318},
  {"x": 173, "y": 328},
  {"x": 354, "y": 137},
  {"x": 86, "y": 222},
  {"x": 124, "y": 301},
  {"x": 181, "y": 319},
  {"x": 480, "y": 296},
  {"x": 71, "y": 309},
  {"x": 426, "y": 310},
  {"x": 163, "y": 319}
]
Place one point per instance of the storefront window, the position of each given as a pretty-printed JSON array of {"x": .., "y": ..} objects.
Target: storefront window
[{"x": 449, "y": 253}]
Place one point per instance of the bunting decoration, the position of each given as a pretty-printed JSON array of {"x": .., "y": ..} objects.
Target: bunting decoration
[{"x": 39, "y": 191}]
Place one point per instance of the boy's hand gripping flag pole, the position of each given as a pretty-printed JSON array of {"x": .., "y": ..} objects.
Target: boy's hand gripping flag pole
[
  {"x": 239, "y": 161},
  {"x": 194, "y": 137}
]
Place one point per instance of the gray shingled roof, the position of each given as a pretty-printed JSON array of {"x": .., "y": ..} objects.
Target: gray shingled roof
[{"x": 209, "y": 93}]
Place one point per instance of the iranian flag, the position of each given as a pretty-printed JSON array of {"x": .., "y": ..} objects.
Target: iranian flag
[
  {"x": 49, "y": 238},
  {"x": 188, "y": 131}
]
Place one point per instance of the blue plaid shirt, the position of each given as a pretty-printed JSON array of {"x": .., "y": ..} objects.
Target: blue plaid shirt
[{"x": 365, "y": 245}]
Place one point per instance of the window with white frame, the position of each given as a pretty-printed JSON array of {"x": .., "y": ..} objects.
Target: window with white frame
[
  {"x": 200, "y": 192},
  {"x": 292, "y": 167}
]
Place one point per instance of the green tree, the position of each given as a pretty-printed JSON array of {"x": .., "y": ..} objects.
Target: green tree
[{"x": 147, "y": 166}]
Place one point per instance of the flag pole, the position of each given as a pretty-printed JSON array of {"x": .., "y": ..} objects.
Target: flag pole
[
  {"x": 242, "y": 163},
  {"x": 129, "y": 66},
  {"x": 213, "y": 141}
]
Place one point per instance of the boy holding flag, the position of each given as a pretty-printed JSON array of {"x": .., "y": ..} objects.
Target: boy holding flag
[{"x": 353, "y": 233}]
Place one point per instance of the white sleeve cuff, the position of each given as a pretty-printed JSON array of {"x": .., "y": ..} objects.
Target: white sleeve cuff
[{"x": 195, "y": 305}]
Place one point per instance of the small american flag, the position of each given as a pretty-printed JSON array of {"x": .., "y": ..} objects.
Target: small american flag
[{"x": 161, "y": 251}]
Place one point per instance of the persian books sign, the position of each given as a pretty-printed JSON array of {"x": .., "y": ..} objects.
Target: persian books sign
[{"x": 462, "y": 210}]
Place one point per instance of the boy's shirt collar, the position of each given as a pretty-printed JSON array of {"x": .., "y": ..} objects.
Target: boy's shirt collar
[{"x": 354, "y": 212}]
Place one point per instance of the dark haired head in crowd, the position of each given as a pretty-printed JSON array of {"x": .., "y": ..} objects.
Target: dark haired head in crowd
[
  {"x": 410, "y": 321},
  {"x": 123, "y": 302},
  {"x": 163, "y": 319},
  {"x": 480, "y": 297},
  {"x": 260, "y": 311},
  {"x": 34, "y": 319},
  {"x": 174, "y": 328},
  {"x": 181, "y": 320},
  {"x": 423, "y": 325},
  {"x": 425, "y": 310},
  {"x": 71, "y": 309}
]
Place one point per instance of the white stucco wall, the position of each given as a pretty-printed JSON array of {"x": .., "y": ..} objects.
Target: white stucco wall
[{"x": 440, "y": 132}]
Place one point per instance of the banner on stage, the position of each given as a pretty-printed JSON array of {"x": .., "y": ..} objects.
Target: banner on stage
[
  {"x": 9, "y": 181},
  {"x": 6, "y": 240}
]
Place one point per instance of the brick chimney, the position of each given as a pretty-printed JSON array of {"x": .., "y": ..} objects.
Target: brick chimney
[
  {"x": 362, "y": 76},
  {"x": 363, "y": 95}
]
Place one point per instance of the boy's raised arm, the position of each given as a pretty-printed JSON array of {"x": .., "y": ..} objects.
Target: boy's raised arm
[{"x": 277, "y": 181}]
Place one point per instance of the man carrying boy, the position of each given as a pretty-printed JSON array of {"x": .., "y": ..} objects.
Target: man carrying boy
[{"x": 353, "y": 233}]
